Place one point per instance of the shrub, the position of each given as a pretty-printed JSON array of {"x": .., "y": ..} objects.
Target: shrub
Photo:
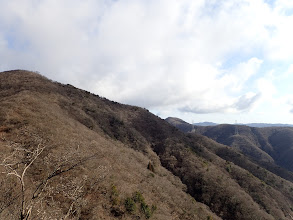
[
  {"x": 114, "y": 195},
  {"x": 151, "y": 175},
  {"x": 138, "y": 197},
  {"x": 130, "y": 205},
  {"x": 151, "y": 167},
  {"x": 154, "y": 208},
  {"x": 146, "y": 210}
]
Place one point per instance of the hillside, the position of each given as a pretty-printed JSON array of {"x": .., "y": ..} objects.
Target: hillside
[
  {"x": 270, "y": 147},
  {"x": 180, "y": 124},
  {"x": 91, "y": 161},
  {"x": 273, "y": 144},
  {"x": 85, "y": 157}
]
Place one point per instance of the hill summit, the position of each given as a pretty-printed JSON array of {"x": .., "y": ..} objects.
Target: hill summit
[{"x": 70, "y": 154}]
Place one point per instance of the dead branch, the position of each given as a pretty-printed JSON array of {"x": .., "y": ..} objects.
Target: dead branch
[{"x": 11, "y": 164}]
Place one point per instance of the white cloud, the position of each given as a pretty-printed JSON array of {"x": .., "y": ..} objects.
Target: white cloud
[
  {"x": 266, "y": 88},
  {"x": 156, "y": 54},
  {"x": 237, "y": 77}
]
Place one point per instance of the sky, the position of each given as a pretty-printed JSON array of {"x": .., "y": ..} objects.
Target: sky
[{"x": 198, "y": 60}]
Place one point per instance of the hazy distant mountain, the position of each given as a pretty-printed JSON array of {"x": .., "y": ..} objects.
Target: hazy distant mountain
[
  {"x": 81, "y": 156},
  {"x": 206, "y": 123},
  {"x": 256, "y": 125},
  {"x": 264, "y": 125}
]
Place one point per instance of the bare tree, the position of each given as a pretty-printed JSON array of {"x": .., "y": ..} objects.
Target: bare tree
[
  {"x": 37, "y": 190},
  {"x": 17, "y": 165}
]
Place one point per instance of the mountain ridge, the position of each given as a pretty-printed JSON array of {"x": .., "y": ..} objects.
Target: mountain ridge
[
  {"x": 265, "y": 145},
  {"x": 98, "y": 159},
  {"x": 256, "y": 125}
]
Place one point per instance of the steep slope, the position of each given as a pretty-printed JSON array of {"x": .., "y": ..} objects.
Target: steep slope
[
  {"x": 88, "y": 163},
  {"x": 97, "y": 159}
]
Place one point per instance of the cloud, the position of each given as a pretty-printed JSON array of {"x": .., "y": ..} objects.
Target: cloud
[
  {"x": 236, "y": 77},
  {"x": 221, "y": 93},
  {"x": 195, "y": 56},
  {"x": 246, "y": 101},
  {"x": 241, "y": 104},
  {"x": 287, "y": 101},
  {"x": 266, "y": 87},
  {"x": 203, "y": 110}
]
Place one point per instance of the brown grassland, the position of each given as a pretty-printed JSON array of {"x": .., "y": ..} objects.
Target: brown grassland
[{"x": 70, "y": 154}]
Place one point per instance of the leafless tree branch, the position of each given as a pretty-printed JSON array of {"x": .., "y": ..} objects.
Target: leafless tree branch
[{"x": 11, "y": 165}]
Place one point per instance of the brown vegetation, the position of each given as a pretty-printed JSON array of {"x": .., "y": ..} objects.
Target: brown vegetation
[
  {"x": 104, "y": 160},
  {"x": 92, "y": 160}
]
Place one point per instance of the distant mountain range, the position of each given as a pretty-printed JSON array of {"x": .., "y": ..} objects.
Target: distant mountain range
[
  {"x": 256, "y": 125},
  {"x": 271, "y": 146},
  {"x": 265, "y": 125},
  {"x": 206, "y": 123}
]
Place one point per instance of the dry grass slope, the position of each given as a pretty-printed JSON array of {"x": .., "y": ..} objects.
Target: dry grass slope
[
  {"x": 91, "y": 162},
  {"x": 95, "y": 159}
]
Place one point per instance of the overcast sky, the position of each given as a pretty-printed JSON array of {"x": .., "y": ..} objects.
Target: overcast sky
[{"x": 199, "y": 60}]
